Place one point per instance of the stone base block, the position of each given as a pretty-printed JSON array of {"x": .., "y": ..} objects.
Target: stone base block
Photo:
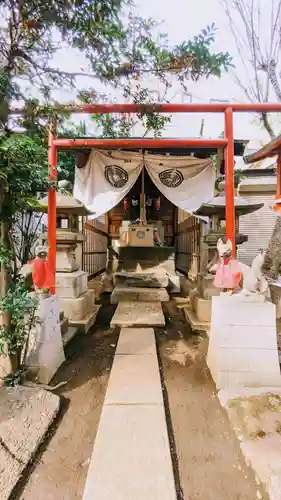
[
  {"x": 138, "y": 314},
  {"x": 142, "y": 280},
  {"x": 139, "y": 294},
  {"x": 206, "y": 287},
  {"x": 65, "y": 260},
  {"x": 83, "y": 325},
  {"x": 193, "y": 321},
  {"x": 71, "y": 285},
  {"x": 243, "y": 343},
  {"x": 174, "y": 283},
  {"x": 202, "y": 308},
  {"x": 78, "y": 308}
]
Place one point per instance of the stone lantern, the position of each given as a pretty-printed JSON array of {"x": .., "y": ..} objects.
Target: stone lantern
[
  {"x": 77, "y": 302},
  {"x": 68, "y": 235},
  {"x": 213, "y": 212}
]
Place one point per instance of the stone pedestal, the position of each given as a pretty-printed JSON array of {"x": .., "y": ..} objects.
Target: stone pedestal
[
  {"x": 45, "y": 351},
  {"x": 243, "y": 343},
  {"x": 77, "y": 302}
]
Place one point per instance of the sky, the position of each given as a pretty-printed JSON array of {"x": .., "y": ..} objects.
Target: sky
[{"x": 183, "y": 19}]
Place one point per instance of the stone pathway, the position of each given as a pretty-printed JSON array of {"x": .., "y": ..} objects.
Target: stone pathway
[{"x": 131, "y": 456}]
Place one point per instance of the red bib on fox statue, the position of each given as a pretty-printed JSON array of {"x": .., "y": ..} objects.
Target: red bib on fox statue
[
  {"x": 228, "y": 271},
  {"x": 41, "y": 272}
]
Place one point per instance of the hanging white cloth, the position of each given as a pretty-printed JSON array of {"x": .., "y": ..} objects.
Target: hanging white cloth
[
  {"x": 186, "y": 181},
  {"x": 106, "y": 179}
]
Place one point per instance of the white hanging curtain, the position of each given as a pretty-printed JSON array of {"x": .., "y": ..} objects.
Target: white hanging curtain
[
  {"x": 186, "y": 181},
  {"x": 106, "y": 179},
  {"x": 108, "y": 176}
]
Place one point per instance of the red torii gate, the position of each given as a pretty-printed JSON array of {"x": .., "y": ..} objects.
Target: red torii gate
[{"x": 227, "y": 143}]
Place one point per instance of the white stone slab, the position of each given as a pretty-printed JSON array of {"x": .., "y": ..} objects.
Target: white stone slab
[
  {"x": 243, "y": 343},
  {"x": 138, "y": 314},
  {"x": 136, "y": 341},
  {"x": 131, "y": 458},
  {"x": 134, "y": 379},
  {"x": 242, "y": 311}
]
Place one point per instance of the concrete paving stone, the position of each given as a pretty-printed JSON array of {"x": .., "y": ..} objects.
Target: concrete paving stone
[
  {"x": 134, "y": 379},
  {"x": 138, "y": 314},
  {"x": 131, "y": 458},
  {"x": 136, "y": 341}
]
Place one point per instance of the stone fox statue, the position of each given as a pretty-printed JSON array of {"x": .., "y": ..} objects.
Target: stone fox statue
[{"x": 232, "y": 274}]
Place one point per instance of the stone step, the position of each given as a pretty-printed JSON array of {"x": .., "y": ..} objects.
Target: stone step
[
  {"x": 135, "y": 294},
  {"x": 142, "y": 280},
  {"x": 138, "y": 314}
]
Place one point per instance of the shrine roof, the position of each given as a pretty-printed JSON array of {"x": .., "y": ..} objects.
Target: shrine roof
[{"x": 270, "y": 150}]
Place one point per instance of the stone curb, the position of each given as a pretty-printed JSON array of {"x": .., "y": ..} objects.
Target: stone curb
[
  {"x": 25, "y": 417},
  {"x": 262, "y": 449}
]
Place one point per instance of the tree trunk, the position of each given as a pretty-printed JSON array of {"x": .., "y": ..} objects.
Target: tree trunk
[
  {"x": 267, "y": 126},
  {"x": 5, "y": 283},
  {"x": 272, "y": 261}
]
